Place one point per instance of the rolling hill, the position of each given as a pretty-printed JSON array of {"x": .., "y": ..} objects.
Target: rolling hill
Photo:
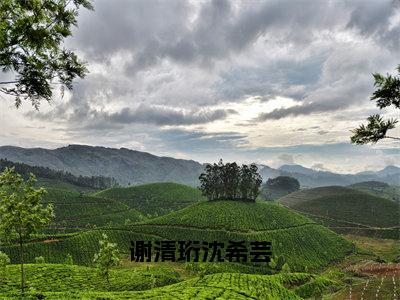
[
  {"x": 302, "y": 242},
  {"x": 344, "y": 208},
  {"x": 379, "y": 189},
  {"x": 155, "y": 198},
  {"x": 74, "y": 211}
]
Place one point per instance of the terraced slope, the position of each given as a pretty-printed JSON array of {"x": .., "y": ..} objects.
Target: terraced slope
[
  {"x": 232, "y": 216},
  {"x": 299, "y": 240},
  {"x": 80, "y": 245},
  {"x": 379, "y": 189},
  {"x": 77, "y": 210},
  {"x": 69, "y": 278},
  {"x": 156, "y": 198},
  {"x": 83, "y": 283},
  {"x": 62, "y": 185},
  {"x": 344, "y": 208}
]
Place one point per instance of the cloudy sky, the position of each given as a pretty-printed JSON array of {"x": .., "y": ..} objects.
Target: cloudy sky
[{"x": 274, "y": 82}]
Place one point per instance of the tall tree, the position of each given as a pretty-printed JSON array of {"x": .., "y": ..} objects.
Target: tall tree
[
  {"x": 31, "y": 52},
  {"x": 387, "y": 93},
  {"x": 255, "y": 182},
  {"x": 245, "y": 181},
  {"x": 21, "y": 211},
  {"x": 107, "y": 257}
]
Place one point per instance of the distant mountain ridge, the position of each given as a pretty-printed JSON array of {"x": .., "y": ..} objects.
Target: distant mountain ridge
[
  {"x": 313, "y": 178},
  {"x": 126, "y": 166},
  {"x": 136, "y": 167}
]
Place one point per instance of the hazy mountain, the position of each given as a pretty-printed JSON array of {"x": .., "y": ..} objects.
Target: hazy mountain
[
  {"x": 135, "y": 167},
  {"x": 313, "y": 178},
  {"x": 268, "y": 172},
  {"x": 296, "y": 169},
  {"x": 126, "y": 166},
  {"x": 389, "y": 170}
]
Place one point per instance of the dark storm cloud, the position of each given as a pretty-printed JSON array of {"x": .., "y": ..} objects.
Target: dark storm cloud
[
  {"x": 193, "y": 36},
  {"x": 167, "y": 116},
  {"x": 89, "y": 118},
  {"x": 341, "y": 88},
  {"x": 174, "y": 60},
  {"x": 373, "y": 19},
  {"x": 273, "y": 78},
  {"x": 322, "y": 132},
  {"x": 153, "y": 30},
  {"x": 199, "y": 141}
]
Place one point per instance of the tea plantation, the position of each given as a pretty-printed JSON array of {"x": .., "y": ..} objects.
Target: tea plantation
[
  {"x": 72, "y": 282},
  {"x": 343, "y": 208},
  {"x": 154, "y": 199}
]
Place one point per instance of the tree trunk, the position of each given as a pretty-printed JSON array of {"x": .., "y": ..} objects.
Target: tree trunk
[
  {"x": 21, "y": 252},
  {"x": 108, "y": 281}
]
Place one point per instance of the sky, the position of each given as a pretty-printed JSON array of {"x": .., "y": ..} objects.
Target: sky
[{"x": 273, "y": 82}]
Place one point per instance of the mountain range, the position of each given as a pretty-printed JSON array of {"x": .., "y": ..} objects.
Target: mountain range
[{"x": 131, "y": 167}]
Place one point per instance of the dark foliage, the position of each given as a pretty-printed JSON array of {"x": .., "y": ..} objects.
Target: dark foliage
[
  {"x": 283, "y": 182},
  {"x": 387, "y": 93},
  {"x": 31, "y": 37},
  {"x": 230, "y": 182},
  {"x": 97, "y": 182},
  {"x": 278, "y": 187}
]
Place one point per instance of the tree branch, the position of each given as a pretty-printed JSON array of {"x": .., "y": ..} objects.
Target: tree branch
[
  {"x": 8, "y": 82},
  {"x": 392, "y": 137}
]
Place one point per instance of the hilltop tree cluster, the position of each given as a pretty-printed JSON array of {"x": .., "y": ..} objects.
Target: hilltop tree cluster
[{"x": 230, "y": 182}]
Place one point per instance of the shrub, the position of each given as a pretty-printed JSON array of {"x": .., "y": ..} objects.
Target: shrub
[
  {"x": 39, "y": 260},
  {"x": 4, "y": 260},
  {"x": 69, "y": 260},
  {"x": 286, "y": 268}
]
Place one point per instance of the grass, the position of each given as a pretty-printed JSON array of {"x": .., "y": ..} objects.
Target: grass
[
  {"x": 154, "y": 199},
  {"x": 344, "y": 208},
  {"x": 386, "y": 249}
]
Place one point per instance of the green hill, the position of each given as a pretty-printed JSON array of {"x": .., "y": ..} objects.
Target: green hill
[
  {"x": 155, "y": 198},
  {"x": 302, "y": 242},
  {"x": 232, "y": 215},
  {"x": 75, "y": 210},
  {"x": 379, "y": 189},
  {"x": 346, "y": 209},
  {"x": 75, "y": 282}
]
